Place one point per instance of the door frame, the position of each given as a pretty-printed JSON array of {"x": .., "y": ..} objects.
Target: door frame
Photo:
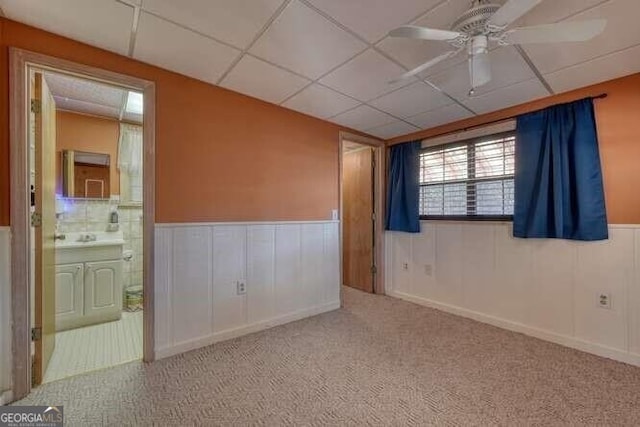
[
  {"x": 379, "y": 154},
  {"x": 19, "y": 63}
]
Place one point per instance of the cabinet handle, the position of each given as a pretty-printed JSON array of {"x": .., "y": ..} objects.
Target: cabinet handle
[{"x": 78, "y": 268}]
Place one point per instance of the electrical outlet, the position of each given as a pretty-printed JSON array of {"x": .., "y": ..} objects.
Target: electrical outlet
[
  {"x": 405, "y": 266},
  {"x": 428, "y": 269},
  {"x": 604, "y": 300},
  {"x": 241, "y": 288}
]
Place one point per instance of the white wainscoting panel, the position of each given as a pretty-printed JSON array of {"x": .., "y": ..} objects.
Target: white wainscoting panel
[
  {"x": 291, "y": 270},
  {"x": 5, "y": 314},
  {"x": 546, "y": 288}
]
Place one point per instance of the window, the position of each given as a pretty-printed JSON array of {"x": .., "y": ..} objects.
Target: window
[{"x": 472, "y": 180}]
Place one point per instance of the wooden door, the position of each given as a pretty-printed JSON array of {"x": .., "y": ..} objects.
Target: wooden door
[
  {"x": 358, "y": 224},
  {"x": 44, "y": 109}
]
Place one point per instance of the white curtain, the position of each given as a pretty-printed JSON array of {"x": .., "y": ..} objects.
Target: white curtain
[
  {"x": 130, "y": 149},
  {"x": 130, "y": 160}
]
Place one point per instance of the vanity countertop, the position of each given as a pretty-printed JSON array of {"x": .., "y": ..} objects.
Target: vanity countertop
[{"x": 90, "y": 239}]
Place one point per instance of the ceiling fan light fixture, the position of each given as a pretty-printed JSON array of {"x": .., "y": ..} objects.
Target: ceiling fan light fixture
[{"x": 486, "y": 21}]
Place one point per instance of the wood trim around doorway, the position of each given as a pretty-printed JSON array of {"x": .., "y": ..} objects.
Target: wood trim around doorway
[
  {"x": 379, "y": 189},
  {"x": 19, "y": 61}
]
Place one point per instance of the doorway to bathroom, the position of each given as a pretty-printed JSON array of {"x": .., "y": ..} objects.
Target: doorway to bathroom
[
  {"x": 81, "y": 219},
  {"x": 86, "y": 150}
]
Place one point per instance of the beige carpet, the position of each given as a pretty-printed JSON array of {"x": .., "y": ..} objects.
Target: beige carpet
[{"x": 419, "y": 367}]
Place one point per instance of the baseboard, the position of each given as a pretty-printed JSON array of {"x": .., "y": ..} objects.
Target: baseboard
[
  {"x": 6, "y": 397},
  {"x": 244, "y": 330},
  {"x": 565, "y": 340}
]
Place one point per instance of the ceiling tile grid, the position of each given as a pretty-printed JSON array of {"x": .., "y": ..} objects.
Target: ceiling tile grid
[
  {"x": 440, "y": 116},
  {"x": 362, "y": 118},
  {"x": 507, "y": 68},
  {"x": 84, "y": 90},
  {"x": 332, "y": 59},
  {"x": 380, "y": 17},
  {"x": 305, "y": 42},
  {"x": 412, "y": 53},
  {"x": 181, "y": 50},
  {"x": 505, "y": 97},
  {"x": 601, "y": 69},
  {"x": 366, "y": 76},
  {"x": 392, "y": 130},
  {"x": 236, "y": 22},
  {"x": 104, "y": 24},
  {"x": 85, "y": 96},
  {"x": 320, "y": 101},
  {"x": 622, "y": 31},
  {"x": 85, "y": 107},
  {"x": 409, "y": 100},
  {"x": 257, "y": 78}
]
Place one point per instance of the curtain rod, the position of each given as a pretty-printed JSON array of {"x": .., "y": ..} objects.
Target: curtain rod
[{"x": 504, "y": 119}]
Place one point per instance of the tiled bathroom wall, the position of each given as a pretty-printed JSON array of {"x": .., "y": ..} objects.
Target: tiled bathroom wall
[{"x": 93, "y": 215}]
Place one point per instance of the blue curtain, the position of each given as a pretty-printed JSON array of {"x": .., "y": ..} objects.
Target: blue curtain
[
  {"x": 558, "y": 178},
  {"x": 403, "y": 188}
]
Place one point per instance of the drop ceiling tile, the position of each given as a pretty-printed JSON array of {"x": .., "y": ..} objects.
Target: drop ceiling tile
[
  {"x": 105, "y": 24},
  {"x": 554, "y": 11},
  {"x": 505, "y": 97},
  {"x": 167, "y": 45},
  {"x": 372, "y": 19},
  {"x": 259, "y": 79},
  {"x": 363, "y": 118},
  {"x": 304, "y": 41},
  {"x": 64, "y": 86},
  {"x": 411, "y": 100},
  {"x": 598, "y": 70},
  {"x": 366, "y": 76},
  {"x": 77, "y": 106},
  {"x": 233, "y": 21},
  {"x": 392, "y": 130},
  {"x": 412, "y": 53},
  {"x": 622, "y": 31},
  {"x": 320, "y": 101},
  {"x": 440, "y": 116},
  {"x": 507, "y": 68}
]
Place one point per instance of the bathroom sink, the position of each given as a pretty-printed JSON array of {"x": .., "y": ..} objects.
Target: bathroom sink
[
  {"x": 90, "y": 239},
  {"x": 76, "y": 247}
]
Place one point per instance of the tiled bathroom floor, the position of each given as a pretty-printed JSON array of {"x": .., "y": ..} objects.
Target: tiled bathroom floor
[{"x": 96, "y": 347}]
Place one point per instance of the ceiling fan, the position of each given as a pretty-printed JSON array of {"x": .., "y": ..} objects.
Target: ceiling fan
[{"x": 487, "y": 22}]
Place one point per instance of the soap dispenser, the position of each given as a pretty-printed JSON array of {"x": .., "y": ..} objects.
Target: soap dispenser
[{"x": 113, "y": 220}]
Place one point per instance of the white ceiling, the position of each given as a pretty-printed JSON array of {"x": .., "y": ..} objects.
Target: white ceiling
[
  {"x": 332, "y": 59},
  {"x": 89, "y": 97}
]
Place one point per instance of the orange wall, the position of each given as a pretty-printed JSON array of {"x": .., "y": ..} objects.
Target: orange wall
[
  {"x": 220, "y": 156},
  {"x": 617, "y": 117},
  {"x": 90, "y": 134}
]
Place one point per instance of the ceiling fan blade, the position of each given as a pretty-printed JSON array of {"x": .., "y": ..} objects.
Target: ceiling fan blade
[
  {"x": 479, "y": 69},
  {"x": 577, "y": 31},
  {"x": 422, "y": 33},
  {"x": 510, "y": 11},
  {"x": 426, "y": 65}
]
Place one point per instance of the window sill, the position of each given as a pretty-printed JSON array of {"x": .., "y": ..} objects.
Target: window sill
[{"x": 499, "y": 218}]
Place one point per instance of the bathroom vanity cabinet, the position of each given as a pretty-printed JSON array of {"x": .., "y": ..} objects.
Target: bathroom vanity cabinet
[{"x": 88, "y": 284}]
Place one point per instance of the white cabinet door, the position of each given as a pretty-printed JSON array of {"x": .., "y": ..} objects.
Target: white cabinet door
[
  {"x": 69, "y": 295},
  {"x": 103, "y": 289}
]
